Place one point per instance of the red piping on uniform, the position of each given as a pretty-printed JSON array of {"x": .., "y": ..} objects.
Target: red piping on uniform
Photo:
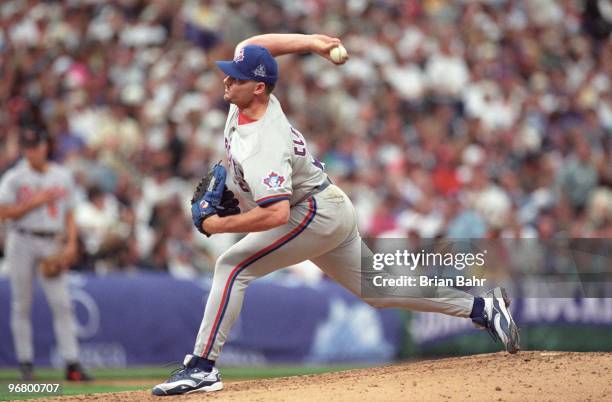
[
  {"x": 273, "y": 196},
  {"x": 249, "y": 260}
]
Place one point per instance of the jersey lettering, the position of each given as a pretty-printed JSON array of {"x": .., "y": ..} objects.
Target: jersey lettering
[
  {"x": 52, "y": 208},
  {"x": 238, "y": 176},
  {"x": 24, "y": 193},
  {"x": 298, "y": 140},
  {"x": 318, "y": 163}
]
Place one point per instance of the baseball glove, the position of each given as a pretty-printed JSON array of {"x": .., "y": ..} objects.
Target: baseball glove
[
  {"x": 211, "y": 197},
  {"x": 53, "y": 265},
  {"x": 229, "y": 204}
]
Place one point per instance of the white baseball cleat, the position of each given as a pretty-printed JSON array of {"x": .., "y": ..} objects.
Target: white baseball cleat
[
  {"x": 188, "y": 379},
  {"x": 498, "y": 321}
]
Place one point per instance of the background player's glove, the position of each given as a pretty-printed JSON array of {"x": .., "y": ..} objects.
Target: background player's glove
[
  {"x": 53, "y": 265},
  {"x": 208, "y": 196}
]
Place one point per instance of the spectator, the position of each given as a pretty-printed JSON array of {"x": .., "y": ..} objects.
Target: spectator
[
  {"x": 578, "y": 177},
  {"x": 466, "y": 118},
  {"x": 102, "y": 230}
]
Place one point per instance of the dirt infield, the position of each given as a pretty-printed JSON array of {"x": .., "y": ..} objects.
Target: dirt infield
[{"x": 528, "y": 376}]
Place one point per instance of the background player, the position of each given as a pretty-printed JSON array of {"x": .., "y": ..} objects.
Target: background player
[
  {"x": 293, "y": 213},
  {"x": 36, "y": 196}
]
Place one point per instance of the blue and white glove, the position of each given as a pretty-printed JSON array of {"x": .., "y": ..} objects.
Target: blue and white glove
[{"x": 207, "y": 196}]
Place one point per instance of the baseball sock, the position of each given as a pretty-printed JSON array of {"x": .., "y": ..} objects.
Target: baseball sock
[
  {"x": 477, "y": 310},
  {"x": 204, "y": 364},
  {"x": 208, "y": 364},
  {"x": 25, "y": 366}
]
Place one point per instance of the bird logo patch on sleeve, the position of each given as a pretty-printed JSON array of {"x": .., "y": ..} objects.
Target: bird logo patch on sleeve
[{"x": 273, "y": 181}]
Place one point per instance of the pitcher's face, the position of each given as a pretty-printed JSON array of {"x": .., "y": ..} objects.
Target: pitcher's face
[{"x": 241, "y": 92}]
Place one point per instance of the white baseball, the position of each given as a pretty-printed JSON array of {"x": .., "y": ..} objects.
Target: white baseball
[{"x": 338, "y": 54}]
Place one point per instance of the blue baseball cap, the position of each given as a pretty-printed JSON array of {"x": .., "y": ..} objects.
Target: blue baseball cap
[{"x": 252, "y": 62}]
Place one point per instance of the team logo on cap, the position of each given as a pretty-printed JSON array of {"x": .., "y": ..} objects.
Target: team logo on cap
[
  {"x": 240, "y": 55},
  {"x": 273, "y": 181},
  {"x": 260, "y": 71}
]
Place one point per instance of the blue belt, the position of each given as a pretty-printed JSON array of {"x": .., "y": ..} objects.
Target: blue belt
[{"x": 326, "y": 183}]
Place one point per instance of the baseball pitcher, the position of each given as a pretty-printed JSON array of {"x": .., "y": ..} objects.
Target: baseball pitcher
[
  {"x": 291, "y": 211},
  {"x": 36, "y": 197}
]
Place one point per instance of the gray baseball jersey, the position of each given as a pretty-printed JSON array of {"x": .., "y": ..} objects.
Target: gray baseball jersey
[
  {"x": 268, "y": 161},
  {"x": 22, "y": 182},
  {"x": 24, "y": 248}
]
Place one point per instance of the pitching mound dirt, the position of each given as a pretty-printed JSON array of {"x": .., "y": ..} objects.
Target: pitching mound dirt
[{"x": 527, "y": 376}]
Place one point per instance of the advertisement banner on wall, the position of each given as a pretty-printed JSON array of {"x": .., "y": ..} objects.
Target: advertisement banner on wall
[
  {"x": 142, "y": 319},
  {"x": 579, "y": 324}
]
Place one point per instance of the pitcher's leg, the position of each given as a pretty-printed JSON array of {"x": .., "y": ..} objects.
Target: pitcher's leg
[
  {"x": 343, "y": 264},
  {"x": 223, "y": 305},
  {"x": 56, "y": 291},
  {"x": 21, "y": 265},
  {"x": 252, "y": 257}
]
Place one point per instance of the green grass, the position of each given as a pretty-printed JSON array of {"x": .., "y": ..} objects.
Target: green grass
[
  {"x": 231, "y": 373},
  {"x": 70, "y": 390},
  {"x": 148, "y": 375}
]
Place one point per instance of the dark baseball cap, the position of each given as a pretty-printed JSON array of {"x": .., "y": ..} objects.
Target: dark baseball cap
[
  {"x": 252, "y": 62},
  {"x": 31, "y": 137}
]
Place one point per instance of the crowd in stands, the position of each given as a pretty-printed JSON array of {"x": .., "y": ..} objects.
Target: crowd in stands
[{"x": 452, "y": 119}]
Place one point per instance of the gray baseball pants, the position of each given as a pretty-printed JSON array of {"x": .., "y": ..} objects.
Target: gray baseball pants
[
  {"x": 23, "y": 253},
  {"x": 322, "y": 229}
]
